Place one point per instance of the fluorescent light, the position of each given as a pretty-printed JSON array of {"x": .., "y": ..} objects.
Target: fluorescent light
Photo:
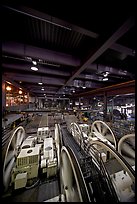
[
  {"x": 8, "y": 82},
  {"x": 34, "y": 68},
  {"x": 8, "y": 88},
  {"x": 62, "y": 26},
  {"x": 40, "y": 83},
  {"x": 84, "y": 87},
  {"x": 105, "y": 74},
  {"x": 42, "y": 89},
  {"x": 20, "y": 92},
  {"x": 105, "y": 79},
  {"x": 34, "y": 62}
]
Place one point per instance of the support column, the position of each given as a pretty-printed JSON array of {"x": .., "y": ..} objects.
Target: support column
[
  {"x": 3, "y": 94},
  {"x": 105, "y": 106},
  {"x": 112, "y": 109},
  {"x": 79, "y": 103}
]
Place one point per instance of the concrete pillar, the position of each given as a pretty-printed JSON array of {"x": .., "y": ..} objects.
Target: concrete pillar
[
  {"x": 3, "y": 94},
  {"x": 79, "y": 103},
  {"x": 105, "y": 106}
]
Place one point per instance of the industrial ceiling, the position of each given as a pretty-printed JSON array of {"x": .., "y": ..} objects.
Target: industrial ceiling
[{"x": 76, "y": 49}]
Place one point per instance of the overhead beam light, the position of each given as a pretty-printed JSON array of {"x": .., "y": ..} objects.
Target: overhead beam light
[
  {"x": 40, "y": 83},
  {"x": 34, "y": 62},
  {"x": 8, "y": 88},
  {"x": 34, "y": 68},
  {"x": 20, "y": 92},
  {"x": 105, "y": 74},
  {"x": 8, "y": 82},
  {"x": 105, "y": 79},
  {"x": 38, "y": 17}
]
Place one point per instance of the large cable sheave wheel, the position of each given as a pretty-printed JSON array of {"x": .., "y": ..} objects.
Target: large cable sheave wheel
[
  {"x": 76, "y": 132},
  {"x": 103, "y": 132},
  {"x": 73, "y": 184},
  {"x": 126, "y": 147},
  {"x": 58, "y": 141},
  {"x": 10, "y": 153},
  {"x": 122, "y": 174}
]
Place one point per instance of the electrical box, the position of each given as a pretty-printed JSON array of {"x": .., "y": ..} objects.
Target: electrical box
[
  {"x": 48, "y": 149},
  {"x": 51, "y": 168},
  {"x": 20, "y": 180},
  {"x": 43, "y": 131},
  {"x": 27, "y": 144},
  {"x": 103, "y": 156},
  {"x": 28, "y": 156}
]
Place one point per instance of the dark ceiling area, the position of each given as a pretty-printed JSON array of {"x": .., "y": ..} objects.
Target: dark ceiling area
[{"x": 76, "y": 50}]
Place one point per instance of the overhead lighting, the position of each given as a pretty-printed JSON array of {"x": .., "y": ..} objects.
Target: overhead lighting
[
  {"x": 34, "y": 62},
  {"x": 105, "y": 74},
  {"x": 20, "y": 92},
  {"x": 50, "y": 64},
  {"x": 34, "y": 68},
  {"x": 62, "y": 26},
  {"x": 40, "y": 83},
  {"x": 42, "y": 89},
  {"x": 84, "y": 87},
  {"x": 105, "y": 79},
  {"x": 9, "y": 82},
  {"x": 8, "y": 88}
]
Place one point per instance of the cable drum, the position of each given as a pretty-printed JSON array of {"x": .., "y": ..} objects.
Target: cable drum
[
  {"x": 103, "y": 132},
  {"x": 73, "y": 184},
  {"x": 10, "y": 152},
  {"x": 126, "y": 147}
]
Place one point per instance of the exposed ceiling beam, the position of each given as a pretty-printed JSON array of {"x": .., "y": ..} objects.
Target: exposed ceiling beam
[
  {"x": 123, "y": 49},
  {"x": 99, "y": 68},
  {"x": 52, "y": 20},
  {"x": 34, "y": 52},
  {"x": 7, "y": 79},
  {"x": 39, "y": 53},
  {"x": 38, "y": 87},
  {"x": 35, "y": 79},
  {"x": 45, "y": 70},
  {"x": 56, "y": 21},
  {"x": 122, "y": 88},
  {"x": 43, "y": 92},
  {"x": 42, "y": 69},
  {"x": 119, "y": 33}
]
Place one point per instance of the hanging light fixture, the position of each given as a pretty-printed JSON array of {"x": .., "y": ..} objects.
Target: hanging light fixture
[
  {"x": 40, "y": 83},
  {"x": 20, "y": 92},
  {"x": 34, "y": 68},
  {"x": 8, "y": 88},
  {"x": 34, "y": 62},
  {"x": 105, "y": 79}
]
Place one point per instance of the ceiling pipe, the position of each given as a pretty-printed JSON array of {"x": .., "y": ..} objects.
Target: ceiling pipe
[
  {"x": 42, "y": 69},
  {"x": 122, "y": 88},
  {"x": 23, "y": 50},
  {"x": 52, "y": 56},
  {"x": 35, "y": 79}
]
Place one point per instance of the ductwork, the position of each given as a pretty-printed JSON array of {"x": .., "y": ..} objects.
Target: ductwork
[
  {"x": 39, "y": 53},
  {"x": 23, "y": 50}
]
